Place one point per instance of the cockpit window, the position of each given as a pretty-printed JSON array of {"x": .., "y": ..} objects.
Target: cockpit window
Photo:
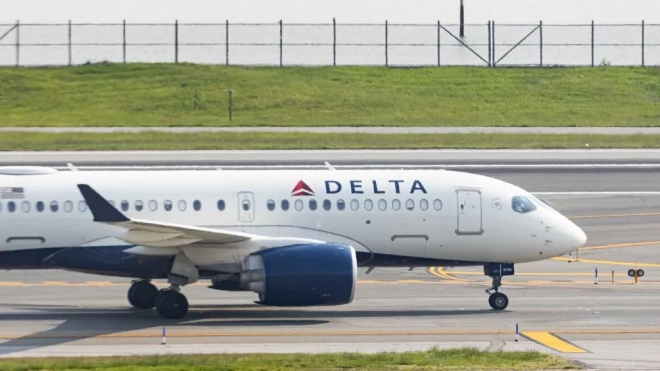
[{"x": 521, "y": 204}]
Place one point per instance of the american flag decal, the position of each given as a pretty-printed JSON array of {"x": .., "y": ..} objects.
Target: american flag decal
[{"x": 11, "y": 192}]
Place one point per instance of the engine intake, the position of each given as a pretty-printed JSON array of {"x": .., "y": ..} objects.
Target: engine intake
[{"x": 302, "y": 275}]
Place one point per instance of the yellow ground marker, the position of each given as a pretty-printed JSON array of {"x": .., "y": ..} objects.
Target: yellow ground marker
[
  {"x": 553, "y": 342},
  {"x": 608, "y": 262}
]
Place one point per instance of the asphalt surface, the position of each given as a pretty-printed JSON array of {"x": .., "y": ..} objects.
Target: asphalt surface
[
  {"x": 345, "y": 130},
  {"x": 557, "y": 305}
]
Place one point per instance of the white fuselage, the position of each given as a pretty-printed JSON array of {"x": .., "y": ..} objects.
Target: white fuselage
[{"x": 443, "y": 215}]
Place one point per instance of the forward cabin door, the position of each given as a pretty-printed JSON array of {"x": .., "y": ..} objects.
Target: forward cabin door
[
  {"x": 245, "y": 206},
  {"x": 469, "y": 212}
]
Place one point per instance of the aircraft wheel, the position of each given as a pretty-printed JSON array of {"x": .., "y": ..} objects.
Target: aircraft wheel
[
  {"x": 498, "y": 301},
  {"x": 142, "y": 295},
  {"x": 172, "y": 305}
]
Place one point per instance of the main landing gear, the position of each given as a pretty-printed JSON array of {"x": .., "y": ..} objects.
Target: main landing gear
[
  {"x": 169, "y": 303},
  {"x": 497, "y": 300}
]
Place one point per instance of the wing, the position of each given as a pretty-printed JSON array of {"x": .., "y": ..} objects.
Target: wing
[{"x": 156, "y": 234}]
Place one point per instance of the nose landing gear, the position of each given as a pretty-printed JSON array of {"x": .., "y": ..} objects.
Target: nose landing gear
[{"x": 497, "y": 300}]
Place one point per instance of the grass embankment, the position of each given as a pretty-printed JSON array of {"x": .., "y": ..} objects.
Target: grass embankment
[
  {"x": 434, "y": 360},
  {"x": 208, "y": 141},
  {"x": 194, "y": 95}
]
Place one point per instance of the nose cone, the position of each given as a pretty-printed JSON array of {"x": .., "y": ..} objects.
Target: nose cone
[{"x": 572, "y": 236}]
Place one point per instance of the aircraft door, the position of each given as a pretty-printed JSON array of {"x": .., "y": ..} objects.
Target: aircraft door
[
  {"x": 245, "y": 206},
  {"x": 469, "y": 212}
]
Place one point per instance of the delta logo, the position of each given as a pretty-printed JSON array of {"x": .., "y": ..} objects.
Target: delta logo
[
  {"x": 302, "y": 189},
  {"x": 359, "y": 187}
]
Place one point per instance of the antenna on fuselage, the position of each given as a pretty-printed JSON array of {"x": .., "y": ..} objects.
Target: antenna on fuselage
[
  {"x": 71, "y": 167},
  {"x": 330, "y": 167}
]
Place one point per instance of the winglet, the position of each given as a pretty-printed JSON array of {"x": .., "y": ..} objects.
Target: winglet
[{"x": 102, "y": 210}]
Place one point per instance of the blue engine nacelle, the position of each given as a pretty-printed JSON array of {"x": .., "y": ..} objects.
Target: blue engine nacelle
[{"x": 302, "y": 275}]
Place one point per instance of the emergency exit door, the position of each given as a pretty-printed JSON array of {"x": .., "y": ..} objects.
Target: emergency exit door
[
  {"x": 245, "y": 206},
  {"x": 469, "y": 212}
]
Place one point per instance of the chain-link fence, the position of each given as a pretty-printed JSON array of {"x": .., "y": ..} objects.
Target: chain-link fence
[{"x": 287, "y": 44}]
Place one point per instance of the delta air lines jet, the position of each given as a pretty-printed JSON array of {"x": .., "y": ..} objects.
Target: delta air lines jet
[{"x": 296, "y": 238}]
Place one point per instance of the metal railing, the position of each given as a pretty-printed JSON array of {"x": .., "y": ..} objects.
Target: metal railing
[{"x": 332, "y": 44}]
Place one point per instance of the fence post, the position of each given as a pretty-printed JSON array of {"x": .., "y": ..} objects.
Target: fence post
[
  {"x": 18, "y": 43},
  {"x": 642, "y": 43},
  {"x": 281, "y": 31},
  {"x": 494, "y": 63},
  {"x": 386, "y": 61},
  {"x": 69, "y": 42},
  {"x": 592, "y": 43},
  {"x": 334, "y": 42},
  {"x": 176, "y": 41},
  {"x": 123, "y": 43},
  {"x": 227, "y": 42},
  {"x": 490, "y": 46},
  {"x": 541, "y": 43},
  {"x": 438, "y": 43}
]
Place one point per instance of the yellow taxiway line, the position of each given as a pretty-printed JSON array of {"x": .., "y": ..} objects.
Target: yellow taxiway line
[
  {"x": 612, "y": 215},
  {"x": 620, "y": 245}
]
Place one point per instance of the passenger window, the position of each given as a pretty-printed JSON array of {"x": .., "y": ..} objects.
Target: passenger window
[
  {"x": 382, "y": 204},
  {"x": 437, "y": 204},
  {"x": 138, "y": 205},
  {"x": 197, "y": 205},
  {"x": 167, "y": 205},
  {"x": 40, "y": 206},
  {"x": 54, "y": 206},
  {"x": 68, "y": 206},
  {"x": 355, "y": 204},
  {"x": 368, "y": 204},
  {"x": 396, "y": 204},
  {"x": 341, "y": 205},
  {"x": 82, "y": 206},
  {"x": 124, "y": 205},
  {"x": 299, "y": 205},
  {"x": 25, "y": 206},
  {"x": 423, "y": 204},
  {"x": 11, "y": 206},
  {"x": 285, "y": 205},
  {"x": 410, "y": 204},
  {"x": 312, "y": 204},
  {"x": 271, "y": 205},
  {"x": 246, "y": 205},
  {"x": 221, "y": 205},
  {"x": 182, "y": 205},
  {"x": 521, "y": 204},
  {"x": 327, "y": 205},
  {"x": 153, "y": 205}
]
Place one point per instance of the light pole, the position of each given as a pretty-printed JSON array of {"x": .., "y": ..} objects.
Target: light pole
[{"x": 461, "y": 31}]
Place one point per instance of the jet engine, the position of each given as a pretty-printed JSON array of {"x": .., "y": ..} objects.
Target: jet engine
[{"x": 302, "y": 275}]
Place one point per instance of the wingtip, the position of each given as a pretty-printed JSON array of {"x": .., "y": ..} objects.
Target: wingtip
[{"x": 102, "y": 210}]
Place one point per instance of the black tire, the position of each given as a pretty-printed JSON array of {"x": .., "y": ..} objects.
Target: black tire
[
  {"x": 498, "y": 301},
  {"x": 631, "y": 272},
  {"x": 640, "y": 273},
  {"x": 142, "y": 295},
  {"x": 172, "y": 305}
]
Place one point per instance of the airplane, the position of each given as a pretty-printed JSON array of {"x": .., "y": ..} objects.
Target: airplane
[{"x": 294, "y": 237}]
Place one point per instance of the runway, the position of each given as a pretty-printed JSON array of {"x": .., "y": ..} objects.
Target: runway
[{"x": 557, "y": 305}]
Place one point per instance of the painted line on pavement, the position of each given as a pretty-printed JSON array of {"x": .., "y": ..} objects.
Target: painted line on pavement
[
  {"x": 609, "y": 262},
  {"x": 553, "y": 342},
  {"x": 620, "y": 245},
  {"x": 612, "y": 216}
]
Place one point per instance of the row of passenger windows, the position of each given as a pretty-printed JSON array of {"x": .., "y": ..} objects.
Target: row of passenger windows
[
  {"x": 355, "y": 204},
  {"x": 138, "y": 205},
  {"x": 181, "y": 205}
]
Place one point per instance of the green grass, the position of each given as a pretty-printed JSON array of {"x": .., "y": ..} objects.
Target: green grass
[
  {"x": 456, "y": 359},
  {"x": 194, "y": 95},
  {"x": 201, "y": 141}
]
